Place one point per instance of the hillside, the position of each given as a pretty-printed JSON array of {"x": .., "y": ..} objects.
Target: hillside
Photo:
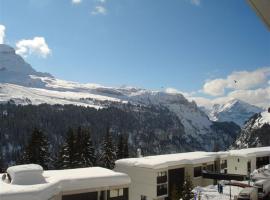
[
  {"x": 256, "y": 132},
  {"x": 24, "y": 86}
]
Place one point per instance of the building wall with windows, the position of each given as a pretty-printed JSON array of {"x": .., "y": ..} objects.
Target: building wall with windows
[
  {"x": 239, "y": 164},
  {"x": 143, "y": 182},
  {"x": 93, "y": 183},
  {"x": 114, "y": 193},
  {"x": 195, "y": 173},
  {"x": 152, "y": 184},
  {"x": 154, "y": 176}
]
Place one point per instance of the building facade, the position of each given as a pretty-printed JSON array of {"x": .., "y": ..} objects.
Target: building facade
[
  {"x": 156, "y": 177},
  {"x": 30, "y": 182}
]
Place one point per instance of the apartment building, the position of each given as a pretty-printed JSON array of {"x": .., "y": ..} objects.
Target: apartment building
[
  {"x": 245, "y": 161},
  {"x": 30, "y": 182},
  {"x": 155, "y": 177}
]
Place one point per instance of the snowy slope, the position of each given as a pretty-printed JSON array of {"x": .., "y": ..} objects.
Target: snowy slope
[
  {"x": 256, "y": 132},
  {"x": 234, "y": 110},
  {"x": 21, "y": 84},
  {"x": 25, "y": 95}
]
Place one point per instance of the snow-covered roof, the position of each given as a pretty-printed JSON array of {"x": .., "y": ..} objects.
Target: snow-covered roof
[
  {"x": 14, "y": 170},
  {"x": 57, "y": 181},
  {"x": 26, "y": 174},
  {"x": 259, "y": 151},
  {"x": 167, "y": 160},
  {"x": 164, "y": 161}
]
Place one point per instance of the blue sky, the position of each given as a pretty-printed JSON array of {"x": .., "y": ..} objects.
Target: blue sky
[{"x": 145, "y": 43}]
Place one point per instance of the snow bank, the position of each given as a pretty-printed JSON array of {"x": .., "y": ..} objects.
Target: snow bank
[
  {"x": 211, "y": 192},
  {"x": 57, "y": 181}
]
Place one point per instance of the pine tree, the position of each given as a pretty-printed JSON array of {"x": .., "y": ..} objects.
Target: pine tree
[
  {"x": 122, "y": 147},
  {"x": 125, "y": 150},
  {"x": 1, "y": 161},
  {"x": 66, "y": 158},
  {"x": 37, "y": 150},
  {"x": 85, "y": 155},
  {"x": 187, "y": 193},
  {"x": 108, "y": 154},
  {"x": 216, "y": 147}
]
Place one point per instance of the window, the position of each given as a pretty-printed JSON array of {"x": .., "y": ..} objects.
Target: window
[
  {"x": 143, "y": 197},
  {"x": 162, "y": 190},
  {"x": 161, "y": 177},
  {"x": 121, "y": 192},
  {"x": 81, "y": 196},
  {"x": 164, "y": 173},
  {"x": 197, "y": 171},
  {"x": 238, "y": 160},
  {"x": 116, "y": 192},
  {"x": 223, "y": 164},
  {"x": 235, "y": 168},
  {"x": 210, "y": 168},
  {"x": 249, "y": 166}
]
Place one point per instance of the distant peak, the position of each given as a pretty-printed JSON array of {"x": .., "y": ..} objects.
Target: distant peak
[{"x": 4, "y": 48}]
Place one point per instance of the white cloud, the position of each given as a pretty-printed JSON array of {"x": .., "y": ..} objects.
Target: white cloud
[
  {"x": 215, "y": 87},
  {"x": 195, "y": 2},
  {"x": 76, "y": 1},
  {"x": 252, "y": 87},
  {"x": 102, "y": 1},
  {"x": 37, "y": 46},
  {"x": 172, "y": 91},
  {"x": 99, "y": 10},
  {"x": 2, "y": 33},
  {"x": 259, "y": 97},
  {"x": 241, "y": 80}
]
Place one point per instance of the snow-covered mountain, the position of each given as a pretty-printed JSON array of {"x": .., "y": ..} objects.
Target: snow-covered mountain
[
  {"x": 234, "y": 110},
  {"x": 21, "y": 84},
  {"x": 256, "y": 132},
  {"x": 13, "y": 69}
]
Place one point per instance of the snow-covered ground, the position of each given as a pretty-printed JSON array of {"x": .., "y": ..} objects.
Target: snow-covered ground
[{"x": 211, "y": 192}]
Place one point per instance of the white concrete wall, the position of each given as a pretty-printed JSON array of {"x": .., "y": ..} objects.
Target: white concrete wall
[
  {"x": 143, "y": 182},
  {"x": 236, "y": 166}
]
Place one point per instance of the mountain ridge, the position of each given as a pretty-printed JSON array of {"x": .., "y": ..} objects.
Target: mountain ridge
[
  {"x": 256, "y": 132},
  {"x": 35, "y": 88},
  {"x": 234, "y": 110}
]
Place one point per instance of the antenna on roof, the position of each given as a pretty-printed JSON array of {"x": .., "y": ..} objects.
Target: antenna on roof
[{"x": 139, "y": 153}]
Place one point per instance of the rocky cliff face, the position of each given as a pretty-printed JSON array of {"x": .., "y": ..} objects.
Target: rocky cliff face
[{"x": 256, "y": 132}]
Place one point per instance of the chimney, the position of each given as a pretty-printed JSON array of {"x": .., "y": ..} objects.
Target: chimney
[{"x": 139, "y": 153}]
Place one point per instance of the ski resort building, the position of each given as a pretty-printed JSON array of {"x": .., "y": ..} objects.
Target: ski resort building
[
  {"x": 156, "y": 177},
  {"x": 245, "y": 161},
  {"x": 30, "y": 182}
]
